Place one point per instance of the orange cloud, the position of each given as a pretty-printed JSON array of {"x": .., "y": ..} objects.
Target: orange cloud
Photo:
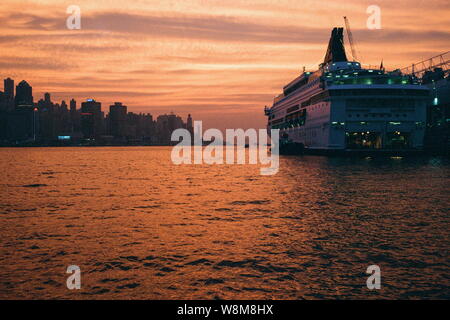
[{"x": 222, "y": 61}]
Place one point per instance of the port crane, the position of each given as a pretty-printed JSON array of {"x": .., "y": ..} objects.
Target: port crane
[
  {"x": 350, "y": 39},
  {"x": 439, "y": 61}
]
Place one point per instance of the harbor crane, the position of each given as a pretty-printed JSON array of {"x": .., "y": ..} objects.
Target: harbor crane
[{"x": 350, "y": 39}]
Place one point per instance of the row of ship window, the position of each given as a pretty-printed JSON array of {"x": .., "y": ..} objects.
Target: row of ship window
[
  {"x": 376, "y": 102},
  {"x": 381, "y": 115},
  {"x": 290, "y": 124}
]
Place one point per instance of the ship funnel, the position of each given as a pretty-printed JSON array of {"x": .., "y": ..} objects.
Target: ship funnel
[{"x": 336, "y": 50}]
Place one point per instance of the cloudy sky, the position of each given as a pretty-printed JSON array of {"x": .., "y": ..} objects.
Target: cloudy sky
[{"x": 220, "y": 60}]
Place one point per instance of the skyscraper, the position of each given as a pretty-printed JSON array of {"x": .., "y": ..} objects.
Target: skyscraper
[
  {"x": 91, "y": 119},
  {"x": 74, "y": 117},
  {"x": 47, "y": 98},
  {"x": 118, "y": 120},
  {"x": 189, "y": 125},
  {"x": 166, "y": 124},
  {"x": 9, "y": 88},
  {"x": 73, "y": 106},
  {"x": 24, "y": 95},
  {"x": 64, "y": 105}
]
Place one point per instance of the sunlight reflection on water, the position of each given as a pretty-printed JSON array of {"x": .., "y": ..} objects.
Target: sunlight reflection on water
[{"x": 140, "y": 227}]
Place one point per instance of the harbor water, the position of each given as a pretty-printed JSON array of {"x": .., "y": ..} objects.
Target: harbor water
[{"x": 141, "y": 227}]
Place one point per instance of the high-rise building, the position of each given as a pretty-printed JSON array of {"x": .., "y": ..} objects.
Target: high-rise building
[
  {"x": 9, "y": 88},
  {"x": 74, "y": 117},
  {"x": 64, "y": 105},
  {"x": 3, "y": 117},
  {"x": 118, "y": 120},
  {"x": 47, "y": 98},
  {"x": 24, "y": 95},
  {"x": 73, "y": 106},
  {"x": 3, "y": 102},
  {"x": 189, "y": 124},
  {"x": 22, "y": 122},
  {"x": 91, "y": 119},
  {"x": 166, "y": 124}
]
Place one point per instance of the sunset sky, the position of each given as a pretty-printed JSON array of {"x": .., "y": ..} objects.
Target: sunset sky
[{"x": 220, "y": 60}]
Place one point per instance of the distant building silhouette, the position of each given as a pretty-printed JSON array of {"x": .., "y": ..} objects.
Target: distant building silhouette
[
  {"x": 118, "y": 120},
  {"x": 6, "y": 104},
  {"x": 2, "y": 102},
  {"x": 73, "y": 106},
  {"x": 24, "y": 95},
  {"x": 23, "y": 122},
  {"x": 91, "y": 119},
  {"x": 46, "y": 118},
  {"x": 74, "y": 117},
  {"x": 189, "y": 125},
  {"x": 141, "y": 129},
  {"x": 166, "y": 124},
  {"x": 437, "y": 137},
  {"x": 9, "y": 89},
  {"x": 47, "y": 98}
]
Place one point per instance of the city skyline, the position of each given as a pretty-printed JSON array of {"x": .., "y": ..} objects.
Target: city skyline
[
  {"x": 45, "y": 122},
  {"x": 9, "y": 91},
  {"x": 220, "y": 61}
]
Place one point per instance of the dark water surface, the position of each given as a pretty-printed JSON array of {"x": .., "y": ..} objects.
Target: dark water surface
[{"x": 140, "y": 227}]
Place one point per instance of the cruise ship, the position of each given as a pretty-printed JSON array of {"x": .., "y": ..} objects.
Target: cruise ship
[{"x": 345, "y": 107}]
